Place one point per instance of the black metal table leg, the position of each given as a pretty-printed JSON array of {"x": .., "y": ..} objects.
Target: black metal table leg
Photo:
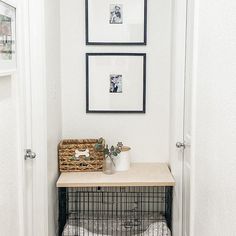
[
  {"x": 62, "y": 194},
  {"x": 168, "y": 205}
]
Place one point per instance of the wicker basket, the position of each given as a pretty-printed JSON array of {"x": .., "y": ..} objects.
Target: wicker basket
[{"x": 79, "y": 156}]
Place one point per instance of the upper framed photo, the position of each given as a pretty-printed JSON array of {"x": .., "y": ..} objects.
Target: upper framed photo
[
  {"x": 115, "y": 82},
  {"x": 7, "y": 37},
  {"x": 116, "y": 22}
]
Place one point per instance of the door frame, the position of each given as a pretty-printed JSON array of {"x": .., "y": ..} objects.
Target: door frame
[
  {"x": 191, "y": 68},
  {"x": 179, "y": 15},
  {"x": 184, "y": 63},
  {"x": 31, "y": 109},
  {"x": 32, "y": 104}
]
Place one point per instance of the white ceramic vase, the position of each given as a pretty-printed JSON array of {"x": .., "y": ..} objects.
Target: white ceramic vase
[{"x": 122, "y": 161}]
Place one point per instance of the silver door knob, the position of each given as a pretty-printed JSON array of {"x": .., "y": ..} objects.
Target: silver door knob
[
  {"x": 180, "y": 145},
  {"x": 29, "y": 154}
]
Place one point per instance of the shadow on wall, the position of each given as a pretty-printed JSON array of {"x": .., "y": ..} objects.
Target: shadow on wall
[{"x": 5, "y": 88}]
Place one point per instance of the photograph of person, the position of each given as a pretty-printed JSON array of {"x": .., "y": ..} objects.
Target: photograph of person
[
  {"x": 116, "y": 14},
  {"x": 115, "y": 83}
]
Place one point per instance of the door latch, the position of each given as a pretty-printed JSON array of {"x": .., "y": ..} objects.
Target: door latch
[{"x": 29, "y": 154}]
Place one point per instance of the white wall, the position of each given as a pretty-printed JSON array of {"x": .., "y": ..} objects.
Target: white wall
[
  {"x": 215, "y": 119},
  {"x": 52, "y": 34},
  {"x": 9, "y": 222},
  {"x": 148, "y": 134}
]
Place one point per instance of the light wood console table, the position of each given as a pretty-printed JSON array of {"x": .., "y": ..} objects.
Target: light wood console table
[{"x": 139, "y": 175}]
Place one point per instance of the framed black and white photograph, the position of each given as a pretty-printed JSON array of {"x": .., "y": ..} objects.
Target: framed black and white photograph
[
  {"x": 7, "y": 37},
  {"x": 115, "y": 82},
  {"x": 116, "y": 14},
  {"x": 116, "y": 22}
]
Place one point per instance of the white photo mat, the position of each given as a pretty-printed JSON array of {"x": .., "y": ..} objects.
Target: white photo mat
[
  {"x": 116, "y": 21},
  {"x": 7, "y": 37},
  {"x": 104, "y": 71}
]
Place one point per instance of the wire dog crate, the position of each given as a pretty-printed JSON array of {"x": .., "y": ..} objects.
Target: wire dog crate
[{"x": 115, "y": 211}]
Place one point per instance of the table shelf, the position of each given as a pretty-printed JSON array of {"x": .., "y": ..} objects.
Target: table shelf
[{"x": 140, "y": 174}]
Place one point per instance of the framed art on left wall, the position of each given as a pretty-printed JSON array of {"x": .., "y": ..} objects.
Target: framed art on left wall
[{"x": 7, "y": 37}]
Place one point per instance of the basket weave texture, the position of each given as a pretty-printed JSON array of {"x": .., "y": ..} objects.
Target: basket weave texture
[{"x": 68, "y": 162}]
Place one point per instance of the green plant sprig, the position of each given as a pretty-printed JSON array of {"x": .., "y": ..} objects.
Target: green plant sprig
[{"x": 111, "y": 152}]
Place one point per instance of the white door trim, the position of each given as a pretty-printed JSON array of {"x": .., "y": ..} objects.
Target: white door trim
[
  {"x": 179, "y": 15},
  {"x": 185, "y": 59},
  {"x": 32, "y": 114},
  {"x": 39, "y": 120},
  {"x": 39, "y": 116},
  {"x": 192, "y": 62},
  {"x": 23, "y": 105}
]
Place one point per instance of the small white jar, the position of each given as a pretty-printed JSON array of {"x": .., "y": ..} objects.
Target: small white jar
[{"x": 122, "y": 162}]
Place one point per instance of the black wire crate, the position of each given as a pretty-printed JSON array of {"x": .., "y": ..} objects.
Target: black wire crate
[{"x": 115, "y": 211}]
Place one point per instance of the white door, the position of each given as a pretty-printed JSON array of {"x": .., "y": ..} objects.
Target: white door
[
  {"x": 187, "y": 120},
  {"x": 184, "y": 150},
  {"x": 32, "y": 118},
  {"x": 181, "y": 117},
  {"x": 177, "y": 111},
  {"x": 187, "y": 155}
]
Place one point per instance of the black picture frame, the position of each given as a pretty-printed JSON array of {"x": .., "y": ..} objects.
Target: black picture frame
[
  {"x": 141, "y": 111},
  {"x": 88, "y": 42}
]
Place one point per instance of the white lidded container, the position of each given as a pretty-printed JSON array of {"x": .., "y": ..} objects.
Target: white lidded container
[{"x": 122, "y": 162}]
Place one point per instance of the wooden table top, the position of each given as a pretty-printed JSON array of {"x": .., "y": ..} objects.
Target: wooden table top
[{"x": 140, "y": 174}]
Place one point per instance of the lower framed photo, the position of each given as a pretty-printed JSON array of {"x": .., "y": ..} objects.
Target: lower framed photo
[{"x": 115, "y": 83}]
